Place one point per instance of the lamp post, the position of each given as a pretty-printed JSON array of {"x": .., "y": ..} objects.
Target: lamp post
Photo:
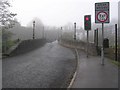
[
  {"x": 75, "y": 31},
  {"x": 33, "y": 29}
]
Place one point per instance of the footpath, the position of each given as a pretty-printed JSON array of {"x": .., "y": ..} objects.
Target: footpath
[{"x": 91, "y": 74}]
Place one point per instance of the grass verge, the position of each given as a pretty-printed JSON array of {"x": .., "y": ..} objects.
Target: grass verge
[{"x": 115, "y": 63}]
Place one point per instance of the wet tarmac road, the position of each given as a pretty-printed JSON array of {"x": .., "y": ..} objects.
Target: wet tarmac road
[{"x": 50, "y": 66}]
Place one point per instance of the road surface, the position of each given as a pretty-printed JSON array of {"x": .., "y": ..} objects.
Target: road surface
[{"x": 50, "y": 66}]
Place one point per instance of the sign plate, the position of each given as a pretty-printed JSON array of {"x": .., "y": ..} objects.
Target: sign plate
[{"x": 102, "y": 12}]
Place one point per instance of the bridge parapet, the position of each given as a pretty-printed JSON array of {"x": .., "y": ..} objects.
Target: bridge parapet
[
  {"x": 79, "y": 45},
  {"x": 27, "y": 46}
]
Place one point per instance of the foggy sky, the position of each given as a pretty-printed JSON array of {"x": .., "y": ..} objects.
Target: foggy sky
[{"x": 58, "y": 12}]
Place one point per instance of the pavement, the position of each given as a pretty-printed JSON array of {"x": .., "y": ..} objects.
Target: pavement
[
  {"x": 91, "y": 74},
  {"x": 50, "y": 66}
]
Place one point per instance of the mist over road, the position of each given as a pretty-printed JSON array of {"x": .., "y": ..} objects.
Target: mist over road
[{"x": 50, "y": 66}]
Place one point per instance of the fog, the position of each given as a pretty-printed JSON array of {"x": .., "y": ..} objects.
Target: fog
[
  {"x": 51, "y": 15},
  {"x": 58, "y": 12}
]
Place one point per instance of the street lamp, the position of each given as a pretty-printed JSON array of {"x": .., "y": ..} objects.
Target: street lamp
[
  {"x": 33, "y": 29},
  {"x": 75, "y": 31}
]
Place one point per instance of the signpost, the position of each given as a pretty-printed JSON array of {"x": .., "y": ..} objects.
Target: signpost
[{"x": 102, "y": 16}]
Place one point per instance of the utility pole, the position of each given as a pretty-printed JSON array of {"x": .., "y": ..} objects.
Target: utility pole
[{"x": 33, "y": 29}]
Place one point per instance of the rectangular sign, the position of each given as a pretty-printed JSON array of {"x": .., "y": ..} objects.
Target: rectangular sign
[
  {"x": 102, "y": 12},
  {"x": 104, "y": 6}
]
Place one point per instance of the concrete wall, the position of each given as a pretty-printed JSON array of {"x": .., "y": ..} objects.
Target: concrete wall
[{"x": 27, "y": 46}]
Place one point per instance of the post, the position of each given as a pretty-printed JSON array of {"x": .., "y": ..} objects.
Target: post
[
  {"x": 61, "y": 32},
  {"x": 102, "y": 47},
  {"x": 95, "y": 37},
  {"x": 97, "y": 40},
  {"x": 75, "y": 31},
  {"x": 43, "y": 32},
  {"x": 58, "y": 34},
  {"x": 33, "y": 29},
  {"x": 115, "y": 42},
  {"x": 87, "y": 42}
]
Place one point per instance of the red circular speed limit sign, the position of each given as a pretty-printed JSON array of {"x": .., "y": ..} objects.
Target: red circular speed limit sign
[{"x": 102, "y": 16}]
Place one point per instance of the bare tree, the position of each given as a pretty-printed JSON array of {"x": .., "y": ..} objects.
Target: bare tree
[
  {"x": 6, "y": 17},
  {"x": 6, "y": 21}
]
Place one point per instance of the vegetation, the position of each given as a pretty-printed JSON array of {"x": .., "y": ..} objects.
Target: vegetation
[
  {"x": 7, "y": 42},
  {"x": 6, "y": 17},
  {"x": 116, "y": 63},
  {"x": 6, "y": 21}
]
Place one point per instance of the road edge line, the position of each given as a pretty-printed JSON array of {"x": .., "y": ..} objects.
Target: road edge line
[{"x": 75, "y": 74}]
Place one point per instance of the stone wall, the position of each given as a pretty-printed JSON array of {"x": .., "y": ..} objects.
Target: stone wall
[
  {"x": 27, "y": 46},
  {"x": 79, "y": 45}
]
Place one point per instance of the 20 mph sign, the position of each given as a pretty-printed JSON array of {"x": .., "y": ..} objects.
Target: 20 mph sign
[{"x": 102, "y": 12}]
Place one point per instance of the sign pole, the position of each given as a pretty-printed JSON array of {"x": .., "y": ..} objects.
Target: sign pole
[
  {"x": 102, "y": 16},
  {"x": 102, "y": 48},
  {"x": 87, "y": 42}
]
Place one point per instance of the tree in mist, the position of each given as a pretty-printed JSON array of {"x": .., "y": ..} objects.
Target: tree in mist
[
  {"x": 6, "y": 21},
  {"x": 6, "y": 17},
  {"x": 38, "y": 22},
  {"x": 69, "y": 26}
]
